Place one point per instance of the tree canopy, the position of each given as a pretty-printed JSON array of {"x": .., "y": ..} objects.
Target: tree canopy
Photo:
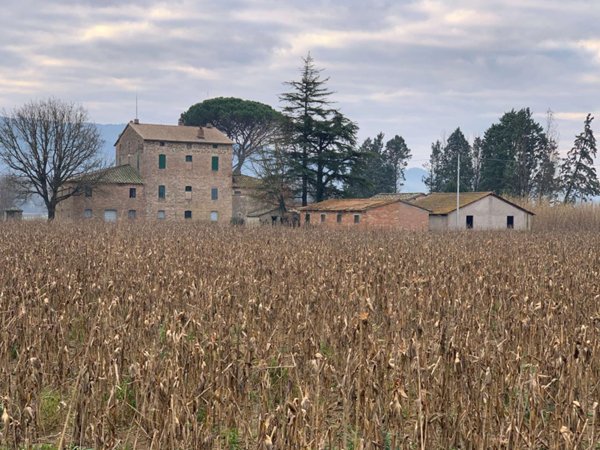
[
  {"x": 321, "y": 140},
  {"x": 47, "y": 143},
  {"x": 250, "y": 125}
]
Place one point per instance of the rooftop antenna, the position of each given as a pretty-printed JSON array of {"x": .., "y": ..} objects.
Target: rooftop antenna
[{"x": 136, "y": 120}]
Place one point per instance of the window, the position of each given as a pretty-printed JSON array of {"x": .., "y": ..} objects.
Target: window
[
  {"x": 188, "y": 158},
  {"x": 215, "y": 145},
  {"x": 214, "y": 163},
  {"x": 188, "y": 189},
  {"x": 110, "y": 215},
  {"x": 214, "y": 216},
  {"x": 214, "y": 194},
  {"x": 187, "y": 214},
  {"x": 162, "y": 192},
  {"x": 132, "y": 192},
  {"x": 161, "y": 214},
  {"x": 356, "y": 218},
  {"x": 87, "y": 191},
  {"x": 131, "y": 214},
  {"x": 323, "y": 217},
  {"x": 87, "y": 213},
  {"x": 469, "y": 222},
  {"x": 161, "y": 143},
  {"x": 339, "y": 218},
  {"x": 510, "y": 222},
  {"x": 237, "y": 192},
  {"x": 162, "y": 161},
  {"x": 307, "y": 218}
]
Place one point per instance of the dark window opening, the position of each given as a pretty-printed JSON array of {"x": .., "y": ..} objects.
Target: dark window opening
[
  {"x": 510, "y": 222},
  {"x": 237, "y": 192},
  {"x": 214, "y": 194},
  {"x": 356, "y": 218},
  {"x": 215, "y": 145},
  {"x": 88, "y": 191},
  {"x": 162, "y": 192},
  {"x": 307, "y": 218},
  {"x": 131, "y": 214},
  {"x": 469, "y": 222},
  {"x": 132, "y": 192},
  {"x": 188, "y": 158},
  {"x": 323, "y": 217},
  {"x": 188, "y": 189},
  {"x": 215, "y": 163},
  {"x": 162, "y": 161},
  {"x": 162, "y": 144},
  {"x": 339, "y": 218},
  {"x": 187, "y": 214}
]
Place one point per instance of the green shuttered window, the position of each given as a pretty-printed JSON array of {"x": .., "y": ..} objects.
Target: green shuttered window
[
  {"x": 215, "y": 163},
  {"x": 162, "y": 161}
]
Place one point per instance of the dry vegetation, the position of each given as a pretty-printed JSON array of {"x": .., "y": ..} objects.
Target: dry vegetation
[{"x": 185, "y": 336}]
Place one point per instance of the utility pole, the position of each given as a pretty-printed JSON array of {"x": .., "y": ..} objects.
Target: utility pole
[{"x": 458, "y": 192}]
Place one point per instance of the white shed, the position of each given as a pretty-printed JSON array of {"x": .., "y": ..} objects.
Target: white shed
[{"x": 478, "y": 211}]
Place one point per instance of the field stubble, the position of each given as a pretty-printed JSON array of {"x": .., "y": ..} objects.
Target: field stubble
[{"x": 189, "y": 336}]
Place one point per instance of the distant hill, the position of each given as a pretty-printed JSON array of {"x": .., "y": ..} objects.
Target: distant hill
[{"x": 414, "y": 180}]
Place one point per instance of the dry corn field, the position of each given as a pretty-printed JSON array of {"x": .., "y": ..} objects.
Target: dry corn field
[{"x": 186, "y": 336}]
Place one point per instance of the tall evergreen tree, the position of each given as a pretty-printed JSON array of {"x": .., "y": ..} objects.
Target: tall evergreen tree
[
  {"x": 373, "y": 174},
  {"x": 433, "y": 180},
  {"x": 578, "y": 175},
  {"x": 456, "y": 145},
  {"x": 476, "y": 153},
  {"x": 512, "y": 154},
  {"x": 397, "y": 154},
  {"x": 322, "y": 139}
]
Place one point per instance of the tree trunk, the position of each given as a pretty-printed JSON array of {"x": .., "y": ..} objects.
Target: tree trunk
[
  {"x": 51, "y": 206},
  {"x": 304, "y": 177}
]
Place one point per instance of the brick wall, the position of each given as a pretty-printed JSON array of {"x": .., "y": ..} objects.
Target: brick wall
[
  {"x": 395, "y": 215},
  {"x": 180, "y": 173},
  {"x": 112, "y": 196}
]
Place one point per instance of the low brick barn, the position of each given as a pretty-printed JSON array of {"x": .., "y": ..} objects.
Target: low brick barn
[{"x": 387, "y": 212}]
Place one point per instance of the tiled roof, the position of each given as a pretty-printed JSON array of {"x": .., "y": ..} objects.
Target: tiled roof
[
  {"x": 445, "y": 202},
  {"x": 179, "y": 133},
  {"x": 124, "y": 174},
  {"x": 245, "y": 181},
  {"x": 406, "y": 196},
  {"x": 350, "y": 204}
]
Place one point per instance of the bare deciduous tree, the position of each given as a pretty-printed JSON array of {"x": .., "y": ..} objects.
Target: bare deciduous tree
[{"x": 46, "y": 144}]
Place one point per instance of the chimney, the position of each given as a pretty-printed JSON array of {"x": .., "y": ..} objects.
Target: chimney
[
  {"x": 209, "y": 125},
  {"x": 180, "y": 122},
  {"x": 200, "y": 133},
  {"x": 136, "y": 121}
]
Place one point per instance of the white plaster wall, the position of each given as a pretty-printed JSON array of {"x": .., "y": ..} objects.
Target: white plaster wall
[
  {"x": 438, "y": 223},
  {"x": 490, "y": 213}
]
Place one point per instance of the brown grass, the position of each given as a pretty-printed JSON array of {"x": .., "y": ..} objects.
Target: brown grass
[{"x": 187, "y": 336}]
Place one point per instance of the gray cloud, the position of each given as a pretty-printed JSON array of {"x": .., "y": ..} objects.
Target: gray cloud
[{"x": 418, "y": 68}]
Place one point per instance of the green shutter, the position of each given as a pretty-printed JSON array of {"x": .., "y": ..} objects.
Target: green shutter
[
  {"x": 215, "y": 163},
  {"x": 162, "y": 161}
]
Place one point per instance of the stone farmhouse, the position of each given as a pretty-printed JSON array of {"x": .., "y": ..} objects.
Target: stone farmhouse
[
  {"x": 162, "y": 172},
  {"x": 436, "y": 212}
]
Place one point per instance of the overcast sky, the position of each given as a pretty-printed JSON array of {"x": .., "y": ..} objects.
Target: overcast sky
[{"x": 415, "y": 68}]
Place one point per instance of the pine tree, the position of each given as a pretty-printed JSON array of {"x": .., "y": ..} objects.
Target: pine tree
[
  {"x": 456, "y": 145},
  {"x": 373, "y": 174},
  {"x": 433, "y": 178},
  {"x": 397, "y": 154},
  {"x": 322, "y": 140},
  {"x": 512, "y": 153},
  {"x": 578, "y": 175}
]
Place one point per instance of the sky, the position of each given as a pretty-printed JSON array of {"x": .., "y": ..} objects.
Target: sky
[{"x": 415, "y": 68}]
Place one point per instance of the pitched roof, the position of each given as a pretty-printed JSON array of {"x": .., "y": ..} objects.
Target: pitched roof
[
  {"x": 442, "y": 203},
  {"x": 179, "y": 133},
  {"x": 406, "y": 196},
  {"x": 351, "y": 204},
  {"x": 245, "y": 181},
  {"x": 124, "y": 174}
]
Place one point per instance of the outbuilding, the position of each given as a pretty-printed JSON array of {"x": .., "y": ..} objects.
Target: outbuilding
[
  {"x": 10, "y": 214},
  {"x": 380, "y": 212},
  {"x": 477, "y": 211}
]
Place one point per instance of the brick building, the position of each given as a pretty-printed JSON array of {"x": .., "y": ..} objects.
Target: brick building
[
  {"x": 171, "y": 172},
  {"x": 386, "y": 212}
]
